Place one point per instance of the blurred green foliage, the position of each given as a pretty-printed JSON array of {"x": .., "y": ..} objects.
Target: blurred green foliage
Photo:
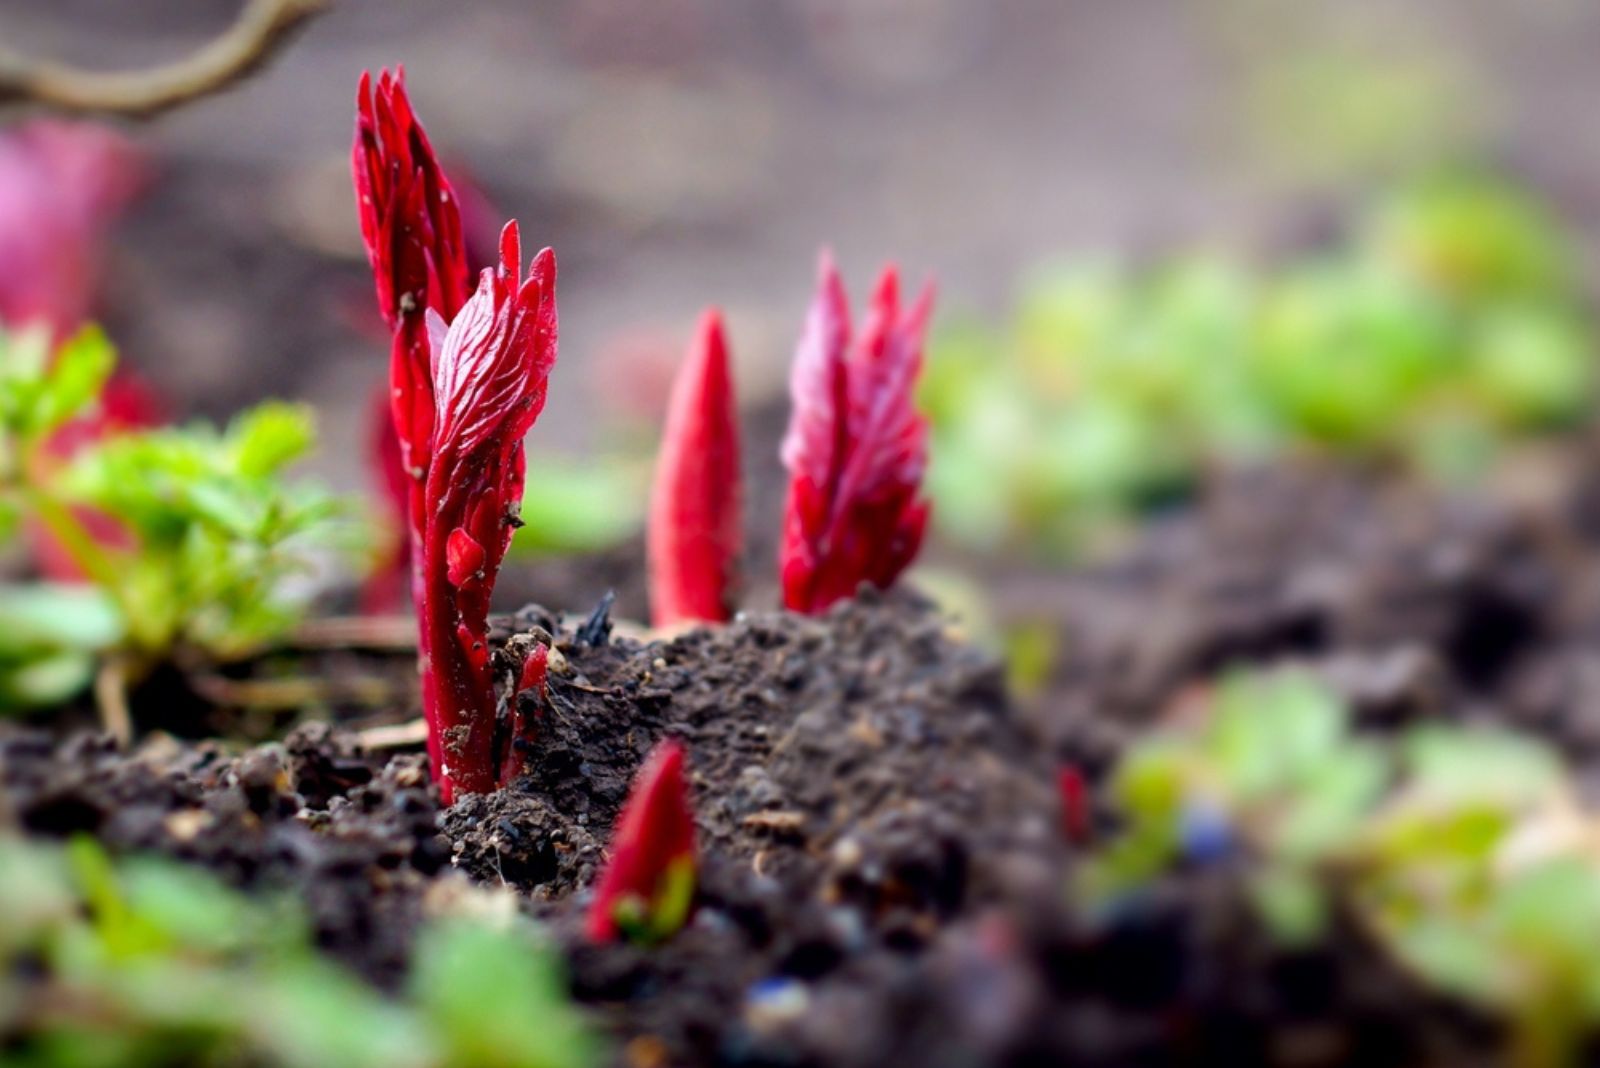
[
  {"x": 52, "y": 635},
  {"x": 216, "y": 531},
  {"x": 1451, "y": 320},
  {"x": 186, "y": 536},
  {"x": 146, "y": 962},
  {"x": 577, "y": 508},
  {"x": 1464, "y": 852}
]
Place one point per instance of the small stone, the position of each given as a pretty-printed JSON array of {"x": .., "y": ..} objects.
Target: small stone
[
  {"x": 186, "y": 824},
  {"x": 771, "y": 1003}
]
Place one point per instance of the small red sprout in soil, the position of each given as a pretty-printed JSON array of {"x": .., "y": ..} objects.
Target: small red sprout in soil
[
  {"x": 490, "y": 373},
  {"x": 1074, "y": 795},
  {"x": 535, "y": 671},
  {"x": 648, "y": 883},
  {"x": 856, "y": 446},
  {"x": 523, "y": 711},
  {"x": 693, "y": 535},
  {"x": 411, "y": 225}
]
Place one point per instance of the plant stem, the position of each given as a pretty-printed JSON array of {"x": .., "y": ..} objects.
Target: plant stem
[
  {"x": 79, "y": 544},
  {"x": 90, "y": 557},
  {"x": 111, "y": 699}
]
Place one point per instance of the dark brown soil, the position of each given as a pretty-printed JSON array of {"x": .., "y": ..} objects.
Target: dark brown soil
[
  {"x": 884, "y": 881},
  {"x": 1412, "y": 605},
  {"x": 357, "y": 844}
]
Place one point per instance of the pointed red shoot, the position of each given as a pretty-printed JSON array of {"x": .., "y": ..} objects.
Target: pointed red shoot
[
  {"x": 647, "y": 887},
  {"x": 694, "y": 536},
  {"x": 410, "y": 217},
  {"x": 411, "y": 226},
  {"x": 523, "y": 712},
  {"x": 535, "y": 671},
  {"x": 856, "y": 447}
]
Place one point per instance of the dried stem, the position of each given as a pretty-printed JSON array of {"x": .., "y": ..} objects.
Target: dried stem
[
  {"x": 261, "y": 28},
  {"x": 290, "y": 694},
  {"x": 412, "y": 733},
  {"x": 111, "y": 699},
  {"x": 384, "y": 634}
]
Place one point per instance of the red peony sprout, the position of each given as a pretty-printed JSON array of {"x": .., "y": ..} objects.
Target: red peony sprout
[
  {"x": 490, "y": 371},
  {"x": 693, "y": 535},
  {"x": 1073, "y": 793},
  {"x": 61, "y": 186},
  {"x": 411, "y": 225},
  {"x": 523, "y": 712},
  {"x": 856, "y": 446},
  {"x": 648, "y": 883}
]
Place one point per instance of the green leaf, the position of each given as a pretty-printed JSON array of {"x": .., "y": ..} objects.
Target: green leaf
[
  {"x": 24, "y": 359},
  {"x": 83, "y": 364},
  {"x": 1291, "y": 902},
  {"x": 497, "y": 999},
  {"x": 1272, "y": 730},
  {"x": 221, "y": 536},
  {"x": 570, "y": 507},
  {"x": 196, "y": 911},
  {"x": 1150, "y": 785},
  {"x": 1449, "y": 767},
  {"x": 49, "y": 641},
  {"x": 271, "y": 436},
  {"x": 44, "y": 679},
  {"x": 311, "y": 1015},
  {"x": 1330, "y": 805},
  {"x": 56, "y": 616},
  {"x": 1452, "y": 954}
]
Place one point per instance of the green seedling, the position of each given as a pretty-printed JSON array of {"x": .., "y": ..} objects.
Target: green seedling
[
  {"x": 579, "y": 507},
  {"x": 184, "y": 538},
  {"x": 143, "y": 961},
  {"x": 1464, "y": 853},
  {"x": 1451, "y": 324}
]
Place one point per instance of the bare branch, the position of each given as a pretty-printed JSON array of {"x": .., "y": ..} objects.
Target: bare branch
[{"x": 261, "y": 28}]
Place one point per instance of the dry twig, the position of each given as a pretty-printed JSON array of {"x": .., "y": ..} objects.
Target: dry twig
[
  {"x": 297, "y": 692},
  {"x": 394, "y": 735},
  {"x": 261, "y": 28},
  {"x": 382, "y": 634},
  {"x": 111, "y": 699}
]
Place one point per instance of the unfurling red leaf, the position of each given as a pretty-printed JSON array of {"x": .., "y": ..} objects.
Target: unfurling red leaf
[
  {"x": 464, "y": 558},
  {"x": 490, "y": 371},
  {"x": 856, "y": 447},
  {"x": 647, "y": 886},
  {"x": 694, "y": 529}
]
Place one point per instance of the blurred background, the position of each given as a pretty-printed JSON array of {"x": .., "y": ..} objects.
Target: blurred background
[{"x": 1163, "y": 231}]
